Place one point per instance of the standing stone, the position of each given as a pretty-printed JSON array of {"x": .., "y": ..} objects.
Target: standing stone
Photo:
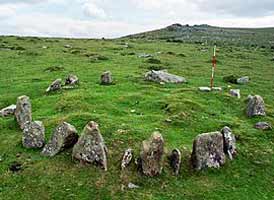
[
  {"x": 23, "y": 111},
  {"x": 55, "y": 85},
  {"x": 72, "y": 80},
  {"x": 263, "y": 126},
  {"x": 5, "y": 112},
  {"x": 64, "y": 136},
  {"x": 243, "y": 80},
  {"x": 162, "y": 76},
  {"x": 208, "y": 151},
  {"x": 235, "y": 93},
  {"x": 128, "y": 155},
  {"x": 175, "y": 161},
  {"x": 255, "y": 106},
  {"x": 90, "y": 148},
  {"x": 229, "y": 142},
  {"x": 151, "y": 155},
  {"x": 106, "y": 78},
  {"x": 34, "y": 135}
]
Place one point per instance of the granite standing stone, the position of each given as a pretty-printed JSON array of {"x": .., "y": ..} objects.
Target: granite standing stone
[
  {"x": 255, "y": 106},
  {"x": 175, "y": 161},
  {"x": 23, "y": 111},
  {"x": 8, "y": 111},
  {"x": 106, "y": 78},
  {"x": 229, "y": 142},
  {"x": 34, "y": 135}
]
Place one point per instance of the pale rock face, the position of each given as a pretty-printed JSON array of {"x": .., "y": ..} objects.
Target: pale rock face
[
  {"x": 55, "y": 85},
  {"x": 235, "y": 93},
  {"x": 23, "y": 111},
  {"x": 33, "y": 135},
  {"x": 8, "y": 111},
  {"x": 127, "y": 157},
  {"x": 229, "y": 142},
  {"x": 163, "y": 76},
  {"x": 255, "y": 106}
]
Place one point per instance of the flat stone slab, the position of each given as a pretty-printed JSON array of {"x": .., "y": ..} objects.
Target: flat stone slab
[
  {"x": 55, "y": 86},
  {"x": 263, "y": 126},
  {"x": 175, "y": 161},
  {"x": 33, "y": 135},
  {"x": 163, "y": 76},
  {"x": 8, "y": 111}
]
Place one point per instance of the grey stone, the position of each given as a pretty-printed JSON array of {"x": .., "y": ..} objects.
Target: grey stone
[
  {"x": 263, "y": 126},
  {"x": 23, "y": 111},
  {"x": 34, "y": 135},
  {"x": 175, "y": 161},
  {"x": 64, "y": 136},
  {"x": 229, "y": 142},
  {"x": 106, "y": 78},
  {"x": 235, "y": 93},
  {"x": 204, "y": 89},
  {"x": 127, "y": 157},
  {"x": 163, "y": 76},
  {"x": 216, "y": 89},
  {"x": 8, "y": 111},
  {"x": 208, "y": 151},
  {"x": 55, "y": 85},
  {"x": 133, "y": 186},
  {"x": 255, "y": 106},
  {"x": 152, "y": 154},
  {"x": 72, "y": 80},
  {"x": 243, "y": 80},
  {"x": 144, "y": 55},
  {"x": 90, "y": 148}
]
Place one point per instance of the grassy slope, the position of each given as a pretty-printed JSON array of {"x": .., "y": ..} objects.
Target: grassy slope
[{"x": 250, "y": 176}]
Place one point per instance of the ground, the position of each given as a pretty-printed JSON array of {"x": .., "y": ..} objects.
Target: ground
[{"x": 128, "y": 112}]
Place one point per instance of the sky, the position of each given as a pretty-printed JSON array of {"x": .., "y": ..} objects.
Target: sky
[{"x": 115, "y": 18}]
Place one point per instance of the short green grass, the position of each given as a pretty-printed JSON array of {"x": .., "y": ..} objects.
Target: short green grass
[{"x": 28, "y": 70}]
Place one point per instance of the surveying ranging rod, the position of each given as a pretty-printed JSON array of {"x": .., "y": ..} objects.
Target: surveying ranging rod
[{"x": 214, "y": 63}]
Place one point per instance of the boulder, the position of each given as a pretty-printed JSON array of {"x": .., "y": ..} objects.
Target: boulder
[
  {"x": 163, "y": 76},
  {"x": 90, "y": 148},
  {"x": 229, "y": 142},
  {"x": 235, "y": 93},
  {"x": 204, "y": 89},
  {"x": 151, "y": 155},
  {"x": 106, "y": 78},
  {"x": 208, "y": 151},
  {"x": 23, "y": 111},
  {"x": 72, "y": 80},
  {"x": 10, "y": 110},
  {"x": 64, "y": 136},
  {"x": 175, "y": 161},
  {"x": 263, "y": 126},
  {"x": 127, "y": 157},
  {"x": 243, "y": 80},
  {"x": 255, "y": 106},
  {"x": 33, "y": 135},
  {"x": 55, "y": 85}
]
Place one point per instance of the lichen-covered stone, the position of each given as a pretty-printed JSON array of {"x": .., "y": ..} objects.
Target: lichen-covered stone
[
  {"x": 33, "y": 135},
  {"x": 255, "y": 106},
  {"x": 229, "y": 142},
  {"x": 90, "y": 148},
  {"x": 243, "y": 80},
  {"x": 162, "y": 76},
  {"x": 208, "y": 151},
  {"x": 23, "y": 111},
  {"x": 127, "y": 157},
  {"x": 64, "y": 136},
  {"x": 175, "y": 161},
  {"x": 106, "y": 78},
  {"x": 10, "y": 110},
  {"x": 55, "y": 85},
  {"x": 72, "y": 80},
  {"x": 151, "y": 155},
  {"x": 235, "y": 93},
  {"x": 263, "y": 126}
]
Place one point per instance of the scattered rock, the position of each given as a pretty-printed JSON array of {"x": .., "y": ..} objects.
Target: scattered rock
[
  {"x": 90, "y": 148},
  {"x": 229, "y": 142},
  {"x": 106, "y": 78},
  {"x": 72, "y": 80},
  {"x": 144, "y": 55},
  {"x": 133, "y": 186},
  {"x": 163, "y": 76},
  {"x": 243, "y": 80},
  {"x": 263, "y": 126},
  {"x": 10, "y": 110},
  {"x": 33, "y": 135},
  {"x": 68, "y": 46},
  {"x": 217, "y": 89},
  {"x": 55, "y": 85},
  {"x": 128, "y": 155},
  {"x": 208, "y": 151},
  {"x": 175, "y": 161},
  {"x": 204, "y": 89},
  {"x": 64, "y": 136},
  {"x": 151, "y": 155},
  {"x": 255, "y": 106},
  {"x": 15, "y": 167},
  {"x": 235, "y": 93},
  {"x": 23, "y": 111}
]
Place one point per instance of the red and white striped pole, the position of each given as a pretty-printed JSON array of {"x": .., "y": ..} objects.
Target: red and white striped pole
[{"x": 214, "y": 63}]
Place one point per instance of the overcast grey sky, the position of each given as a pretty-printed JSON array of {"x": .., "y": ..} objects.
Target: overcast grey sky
[{"x": 106, "y": 18}]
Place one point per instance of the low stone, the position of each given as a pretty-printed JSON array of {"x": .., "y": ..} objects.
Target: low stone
[
  {"x": 91, "y": 148},
  {"x": 72, "y": 80},
  {"x": 255, "y": 106},
  {"x": 216, "y": 89},
  {"x": 263, "y": 126},
  {"x": 23, "y": 111},
  {"x": 127, "y": 157},
  {"x": 204, "y": 89},
  {"x": 229, "y": 142},
  {"x": 208, "y": 151},
  {"x": 64, "y": 136},
  {"x": 132, "y": 186},
  {"x": 175, "y": 161},
  {"x": 15, "y": 167},
  {"x": 106, "y": 78},
  {"x": 243, "y": 80},
  {"x": 235, "y": 93},
  {"x": 55, "y": 85},
  {"x": 34, "y": 135},
  {"x": 144, "y": 55},
  {"x": 68, "y": 46},
  {"x": 151, "y": 155},
  {"x": 163, "y": 76},
  {"x": 8, "y": 111}
]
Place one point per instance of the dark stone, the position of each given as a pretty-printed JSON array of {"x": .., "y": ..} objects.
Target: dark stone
[
  {"x": 106, "y": 78},
  {"x": 175, "y": 161},
  {"x": 15, "y": 167}
]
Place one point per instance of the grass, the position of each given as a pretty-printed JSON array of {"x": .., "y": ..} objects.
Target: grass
[{"x": 30, "y": 71}]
